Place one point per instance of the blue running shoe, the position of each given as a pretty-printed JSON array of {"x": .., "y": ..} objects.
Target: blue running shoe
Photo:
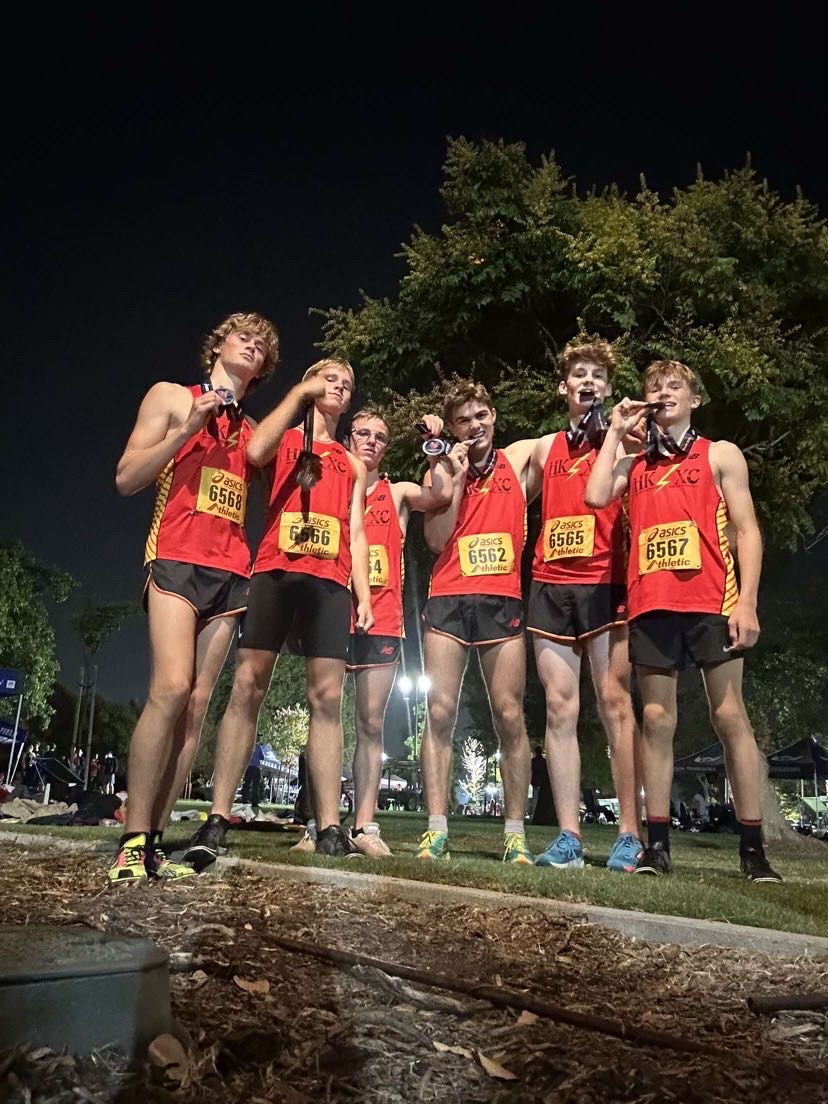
[
  {"x": 564, "y": 852},
  {"x": 625, "y": 853}
]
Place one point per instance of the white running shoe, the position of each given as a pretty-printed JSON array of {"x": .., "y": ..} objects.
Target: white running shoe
[
  {"x": 370, "y": 843},
  {"x": 307, "y": 843}
]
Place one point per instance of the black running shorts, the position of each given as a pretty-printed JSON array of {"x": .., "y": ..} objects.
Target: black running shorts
[
  {"x": 211, "y": 591},
  {"x": 373, "y": 651},
  {"x": 571, "y": 613},
  {"x": 674, "y": 641},
  {"x": 474, "y": 618},
  {"x": 315, "y": 612}
]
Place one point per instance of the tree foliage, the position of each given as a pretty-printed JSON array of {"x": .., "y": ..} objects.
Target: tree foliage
[
  {"x": 724, "y": 274},
  {"x": 27, "y": 639},
  {"x": 97, "y": 621}
]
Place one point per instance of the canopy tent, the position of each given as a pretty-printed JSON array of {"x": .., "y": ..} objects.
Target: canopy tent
[
  {"x": 709, "y": 760},
  {"x": 264, "y": 758},
  {"x": 806, "y": 759},
  {"x": 393, "y": 782}
]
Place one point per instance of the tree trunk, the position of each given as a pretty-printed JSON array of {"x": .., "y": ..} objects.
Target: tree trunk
[{"x": 776, "y": 831}]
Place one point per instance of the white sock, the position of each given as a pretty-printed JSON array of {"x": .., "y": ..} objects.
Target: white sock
[
  {"x": 512, "y": 826},
  {"x": 438, "y": 824},
  {"x": 310, "y": 828}
]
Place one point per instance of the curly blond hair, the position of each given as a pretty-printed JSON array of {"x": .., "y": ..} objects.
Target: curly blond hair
[
  {"x": 253, "y": 323},
  {"x": 597, "y": 351}
]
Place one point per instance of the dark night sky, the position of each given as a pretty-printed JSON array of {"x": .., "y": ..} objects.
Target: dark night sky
[{"x": 160, "y": 175}]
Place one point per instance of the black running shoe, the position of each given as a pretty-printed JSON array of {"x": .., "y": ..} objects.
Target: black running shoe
[
  {"x": 208, "y": 842},
  {"x": 654, "y": 860},
  {"x": 756, "y": 867},
  {"x": 336, "y": 843}
]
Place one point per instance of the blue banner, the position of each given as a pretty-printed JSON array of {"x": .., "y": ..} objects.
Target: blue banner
[{"x": 11, "y": 682}]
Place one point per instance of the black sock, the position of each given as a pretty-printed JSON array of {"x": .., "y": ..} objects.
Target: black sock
[
  {"x": 154, "y": 840},
  {"x": 658, "y": 831},
  {"x": 750, "y": 832},
  {"x": 127, "y": 836}
]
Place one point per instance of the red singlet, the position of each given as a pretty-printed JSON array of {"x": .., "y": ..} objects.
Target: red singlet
[
  {"x": 483, "y": 554},
  {"x": 576, "y": 543},
  {"x": 309, "y": 533},
  {"x": 385, "y": 544},
  {"x": 679, "y": 554},
  {"x": 201, "y": 499}
]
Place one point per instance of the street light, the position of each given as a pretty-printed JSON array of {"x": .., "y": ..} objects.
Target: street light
[
  {"x": 405, "y": 685},
  {"x": 423, "y": 684}
]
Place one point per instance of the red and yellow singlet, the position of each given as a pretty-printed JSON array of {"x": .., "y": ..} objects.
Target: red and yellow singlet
[
  {"x": 201, "y": 499},
  {"x": 309, "y": 532},
  {"x": 576, "y": 543},
  {"x": 385, "y": 545},
  {"x": 483, "y": 554},
  {"x": 680, "y": 558}
]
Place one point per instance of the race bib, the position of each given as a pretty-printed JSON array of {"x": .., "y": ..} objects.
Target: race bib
[
  {"x": 568, "y": 536},
  {"x": 486, "y": 554},
  {"x": 223, "y": 494},
  {"x": 314, "y": 535},
  {"x": 670, "y": 547},
  {"x": 377, "y": 565}
]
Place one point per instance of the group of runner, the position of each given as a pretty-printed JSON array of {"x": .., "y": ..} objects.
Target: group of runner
[{"x": 328, "y": 581}]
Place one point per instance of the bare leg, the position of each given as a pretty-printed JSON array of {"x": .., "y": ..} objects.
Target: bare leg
[
  {"x": 212, "y": 646},
  {"x": 723, "y": 685},
  {"x": 559, "y": 668},
  {"x": 504, "y": 672},
  {"x": 611, "y": 674},
  {"x": 445, "y": 664},
  {"x": 172, "y": 630},
  {"x": 237, "y": 732},
  {"x": 373, "y": 689},
  {"x": 658, "y": 689},
  {"x": 324, "y": 680}
]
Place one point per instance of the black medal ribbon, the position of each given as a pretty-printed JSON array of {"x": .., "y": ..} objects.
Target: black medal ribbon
[
  {"x": 484, "y": 470},
  {"x": 591, "y": 428},
  {"x": 659, "y": 445}
]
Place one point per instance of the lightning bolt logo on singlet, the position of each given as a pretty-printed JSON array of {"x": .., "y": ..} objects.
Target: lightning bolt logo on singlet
[
  {"x": 575, "y": 467},
  {"x": 665, "y": 479},
  {"x": 233, "y": 438}
]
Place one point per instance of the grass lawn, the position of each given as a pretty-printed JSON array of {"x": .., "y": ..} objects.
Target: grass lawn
[{"x": 706, "y": 882}]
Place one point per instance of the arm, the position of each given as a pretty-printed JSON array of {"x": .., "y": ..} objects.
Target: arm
[
  {"x": 164, "y": 425},
  {"x": 610, "y": 473},
  {"x": 359, "y": 549},
  {"x": 519, "y": 455},
  {"x": 731, "y": 473},
  {"x": 439, "y": 525},
  {"x": 264, "y": 444},
  {"x": 537, "y": 463}
]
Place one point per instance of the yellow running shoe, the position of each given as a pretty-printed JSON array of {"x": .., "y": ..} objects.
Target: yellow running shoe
[
  {"x": 433, "y": 845},
  {"x": 130, "y": 863},
  {"x": 160, "y": 866},
  {"x": 516, "y": 851}
]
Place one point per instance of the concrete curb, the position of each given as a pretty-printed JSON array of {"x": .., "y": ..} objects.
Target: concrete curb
[{"x": 633, "y": 925}]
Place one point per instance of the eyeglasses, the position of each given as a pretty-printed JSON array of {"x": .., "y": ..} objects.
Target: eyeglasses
[{"x": 366, "y": 434}]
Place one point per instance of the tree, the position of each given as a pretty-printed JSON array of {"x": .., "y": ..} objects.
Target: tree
[
  {"x": 97, "y": 621},
  {"x": 27, "y": 639},
  {"x": 724, "y": 274}
]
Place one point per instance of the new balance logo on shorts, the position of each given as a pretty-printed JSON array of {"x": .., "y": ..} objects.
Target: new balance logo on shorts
[
  {"x": 387, "y": 650},
  {"x": 514, "y": 623}
]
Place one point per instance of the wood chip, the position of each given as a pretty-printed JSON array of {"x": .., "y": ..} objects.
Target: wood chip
[
  {"x": 168, "y": 1056},
  {"x": 443, "y": 1048},
  {"x": 526, "y": 1019},
  {"x": 260, "y": 988}
]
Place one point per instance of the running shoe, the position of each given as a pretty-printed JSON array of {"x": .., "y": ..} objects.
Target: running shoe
[
  {"x": 433, "y": 845},
  {"x": 756, "y": 867},
  {"x": 625, "y": 853},
  {"x": 655, "y": 861},
  {"x": 306, "y": 844},
  {"x": 516, "y": 851},
  {"x": 335, "y": 842},
  {"x": 160, "y": 865},
  {"x": 207, "y": 843},
  {"x": 565, "y": 852},
  {"x": 130, "y": 865},
  {"x": 369, "y": 842}
]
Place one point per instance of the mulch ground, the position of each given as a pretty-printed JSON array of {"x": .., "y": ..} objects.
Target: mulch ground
[{"x": 268, "y": 1025}]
